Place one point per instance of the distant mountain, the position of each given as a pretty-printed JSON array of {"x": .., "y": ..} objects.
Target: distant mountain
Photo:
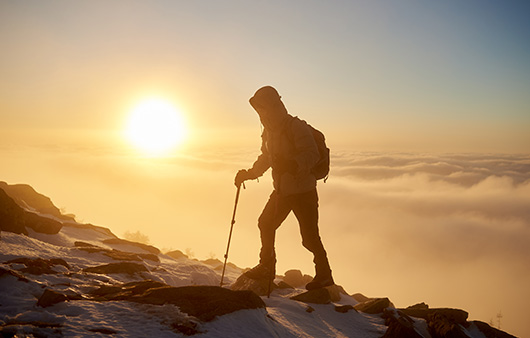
[{"x": 61, "y": 278}]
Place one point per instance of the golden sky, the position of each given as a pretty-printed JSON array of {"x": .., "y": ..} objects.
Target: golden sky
[{"x": 441, "y": 77}]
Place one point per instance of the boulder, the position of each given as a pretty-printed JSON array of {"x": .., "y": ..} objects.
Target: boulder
[
  {"x": 442, "y": 325},
  {"x": 202, "y": 302},
  {"x": 259, "y": 287},
  {"x": 441, "y": 322},
  {"x": 16, "y": 274},
  {"x": 116, "y": 254},
  {"x": 50, "y": 297},
  {"x": 146, "y": 247},
  {"x": 294, "y": 278},
  {"x": 360, "y": 297},
  {"x": 491, "y": 332},
  {"x": 317, "y": 296},
  {"x": 124, "y": 291},
  {"x": 81, "y": 244},
  {"x": 26, "y": 197},
  {"x": 42, "y": 224},
  {"x": 176, "y": 254},
  {"x": 123, "y": 267},
  {"x": 12, "y": 216},
  {"x": 456, "y": 316},
  {"x": 39, "y": 266},
  {"x": 282, "y": 285},
  {"x": 335, "y": 292},
  {"x": 374, "y": 305},
  {"x": 344, "y": 308},
  {"x": 97, "y": 228},
  {"x": 399, "y": 325}
]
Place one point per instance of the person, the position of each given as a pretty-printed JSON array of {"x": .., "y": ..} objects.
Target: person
[{"x": 288, "y": 147}]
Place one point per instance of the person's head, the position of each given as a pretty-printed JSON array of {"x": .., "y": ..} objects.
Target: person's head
[{"x": 269, "y": 106}]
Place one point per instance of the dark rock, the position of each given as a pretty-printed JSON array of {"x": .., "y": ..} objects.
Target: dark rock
[
  {"x": 374, "y": 305},
  {"x": 122, "y": 255},
  {"x": 491, "y": 332},
  {"x": 419, "y": 306},
  {"x": 146, "y": 247},
  {"x": 294, "y": 278},
  {"x": 335, "y": 292},
  {"x": 116, "y": 254},
  {"x": 81, "y": 244},
  {"x": 129, "y": 256},
  {"x": 317, "y": 296},
  {"x": 59, "y": 261},
  {"x": 16, "y": 274},
  {"x": 259, "y": 287},
  {"x": 283, "y": 285},
  {"x": 442, "y": 325},
  {"x": 39, "y": 266},
  {"x": 176, "y": 254},
  {"x": 97, "y": 228},
  {"x": 124, "y": 291},
  {"x": 452, "y": 315},
  {"x": 399, "y": 325},
  {"x": 123, "y": 267},
  {"x": 309, "y": 309},
  {"x": 50, "y": 297},
  {"x": 151, "y": 257},
  {"x": 103, "y": 330},
  {"x": 12, "y": 216},
  {"x": 441, "y": 322},
  {"x": 213, "y": 262},
  {"x": 360, "y": 297},
  {"x": 42, "y": 224},
  {"x": 344, "y": 308},
  {"x": 187, "y": 328},
  {"x": 202, "y": 302},
  {"x": 25, "y": 196}
]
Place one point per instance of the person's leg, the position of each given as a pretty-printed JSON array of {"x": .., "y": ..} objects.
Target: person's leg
[
  {"x": 272, "y": 216},
  {"x": 305, "y": 208}
]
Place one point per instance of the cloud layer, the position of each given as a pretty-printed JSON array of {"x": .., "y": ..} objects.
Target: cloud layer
[
  {"x": 450, "y": 230},
  {"x": 453, "y": 227}
]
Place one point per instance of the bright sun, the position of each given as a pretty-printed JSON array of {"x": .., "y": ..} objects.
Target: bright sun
[{"x": 155, "y": 127}]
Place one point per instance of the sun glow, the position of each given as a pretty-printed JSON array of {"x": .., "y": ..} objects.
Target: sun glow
[{"x": 155, "y": 127}]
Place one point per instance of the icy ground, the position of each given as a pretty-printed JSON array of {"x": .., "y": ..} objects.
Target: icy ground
[
  {"x": 86, "y": 318},
  {"x": 20, "y": 290}
]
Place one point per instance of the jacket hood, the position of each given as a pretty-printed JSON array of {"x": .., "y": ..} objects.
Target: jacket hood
[{"x": 269, "y": 106}]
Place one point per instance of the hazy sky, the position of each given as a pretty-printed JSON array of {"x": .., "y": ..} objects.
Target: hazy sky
[
  {"x": 402, "y": 89},
  {"x": 444, "y": 76}
]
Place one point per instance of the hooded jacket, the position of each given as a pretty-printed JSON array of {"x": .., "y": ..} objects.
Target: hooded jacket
[{"x": 285, "y": 139}]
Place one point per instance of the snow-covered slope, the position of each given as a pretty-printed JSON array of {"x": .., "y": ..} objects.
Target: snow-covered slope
[
  {"x": 21, "y": 290},
  {"x": 55, "y": 285}
]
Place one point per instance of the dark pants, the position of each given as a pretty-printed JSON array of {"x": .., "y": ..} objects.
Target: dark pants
[{"x": 305, "y": 208}]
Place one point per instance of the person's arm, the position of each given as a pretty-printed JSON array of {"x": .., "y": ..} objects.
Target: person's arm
[
  {"x": 262, "y": 163},
  {"x": 260, "y": 166}
]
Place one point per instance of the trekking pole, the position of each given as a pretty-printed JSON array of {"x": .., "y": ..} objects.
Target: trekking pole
[{"x": 230, "y": 234}]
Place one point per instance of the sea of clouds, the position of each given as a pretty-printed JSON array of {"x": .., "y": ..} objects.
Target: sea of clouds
[{"x": 447, "y": 229}]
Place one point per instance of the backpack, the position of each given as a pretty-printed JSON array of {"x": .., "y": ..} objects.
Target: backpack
[{"x": 321, "y": 168}]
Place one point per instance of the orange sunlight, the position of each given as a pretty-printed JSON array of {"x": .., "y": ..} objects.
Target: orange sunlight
[{"x": 155, "y": 127}]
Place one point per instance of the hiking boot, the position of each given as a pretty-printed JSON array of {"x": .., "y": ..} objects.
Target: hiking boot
[
  {"x": 320, "y": 282},
  {"x": 261, "y": 271}
]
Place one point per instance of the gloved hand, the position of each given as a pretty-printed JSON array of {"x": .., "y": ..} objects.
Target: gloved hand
[
  {"x": 284, "y": 165},
  {"x": 241, "y": 176}
]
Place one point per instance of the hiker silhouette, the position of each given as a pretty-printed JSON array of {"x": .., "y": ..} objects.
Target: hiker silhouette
[{"x": 289, "y": 148}]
